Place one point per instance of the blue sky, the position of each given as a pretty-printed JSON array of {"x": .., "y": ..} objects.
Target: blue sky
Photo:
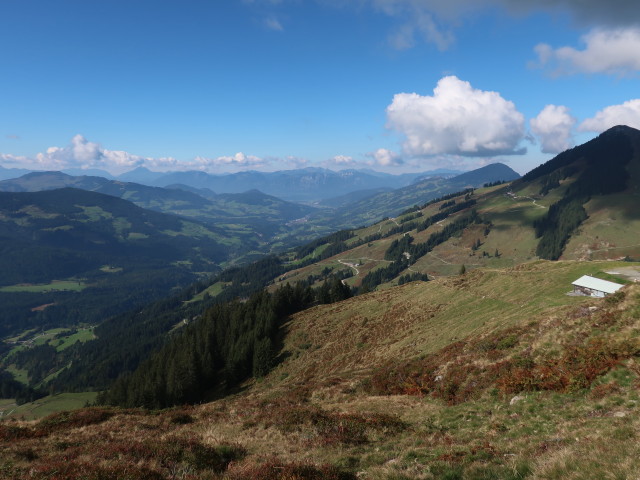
[{"x": 395, "y": 85}]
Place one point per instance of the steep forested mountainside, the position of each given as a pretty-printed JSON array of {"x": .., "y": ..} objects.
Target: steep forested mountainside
[
  {"x": 70, "y": 255},
  {"x": 601, "y": 167}
]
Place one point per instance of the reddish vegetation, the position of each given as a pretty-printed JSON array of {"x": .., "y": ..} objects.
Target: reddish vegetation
[
  {"x": 463, "y": 370},
  {"x": 277, "y": 470}
]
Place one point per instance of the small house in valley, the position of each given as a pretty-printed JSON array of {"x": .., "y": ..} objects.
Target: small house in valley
[{"x": 594, "y": 287}]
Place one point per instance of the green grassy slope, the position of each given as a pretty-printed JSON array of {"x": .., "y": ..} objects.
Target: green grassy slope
[{"x": 495, "y": 374}]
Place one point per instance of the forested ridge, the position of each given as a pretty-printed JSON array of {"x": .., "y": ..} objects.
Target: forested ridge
[{"x": 599, "y": 167}]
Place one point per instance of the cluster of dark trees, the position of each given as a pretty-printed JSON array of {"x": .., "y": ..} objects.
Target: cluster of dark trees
[
  {"x": 332, "y": 239},
  {"x": 398, "y": 248},
  {"x": 413, "y": 277},
  {"x": 231, "y": 342},
  {"x": 11, "y": 388},
  {"x": 495, "y": 184},
  {"x": 424, "y": 224},
  {"x": 410, "y": 217},
  {"x": 555, "y": 228}
]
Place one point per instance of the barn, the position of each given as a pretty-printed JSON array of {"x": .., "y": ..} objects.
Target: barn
[{"x": 594, "y": 287}]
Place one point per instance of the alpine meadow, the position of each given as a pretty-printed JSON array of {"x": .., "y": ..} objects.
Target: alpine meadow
[{"x": 384, "y": 239}]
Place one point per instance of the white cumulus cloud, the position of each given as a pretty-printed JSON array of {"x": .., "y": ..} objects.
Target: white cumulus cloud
[
  {"x": 553, "y": 126},
  {"x": 627, "y": 113},
  {"x": 458, "y": 119},
  {"x": 81, "y": 153},
  {"x": 385, "y": 158},
  {"x": 342, "y": 161},
  {"x": 609, "y": 51}
]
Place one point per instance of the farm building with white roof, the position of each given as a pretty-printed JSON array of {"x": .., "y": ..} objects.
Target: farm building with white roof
[{"x": 595, "y": 287}]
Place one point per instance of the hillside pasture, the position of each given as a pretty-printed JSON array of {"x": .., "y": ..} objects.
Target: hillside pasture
[{"x": 53, "y": 286}]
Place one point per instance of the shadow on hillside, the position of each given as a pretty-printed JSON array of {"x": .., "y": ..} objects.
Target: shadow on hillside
[
  {"x": 626, "y": 204},
  {"x": 507, "y": 220}
]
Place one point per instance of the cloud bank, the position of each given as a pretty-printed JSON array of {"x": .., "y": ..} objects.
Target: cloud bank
[
  {"x": 458, "y": 119},
  {"x": 385, "y": 158},
  {"x": 434, "y": 20},
  {"x": 613, "y": 52},
  {"x": 81, "y": 153}
]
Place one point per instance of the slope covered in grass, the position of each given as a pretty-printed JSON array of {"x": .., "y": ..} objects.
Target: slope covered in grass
[{"x": 494, "y": 374}]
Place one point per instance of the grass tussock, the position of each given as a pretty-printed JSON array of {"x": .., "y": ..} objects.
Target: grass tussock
[{"x": 329, "y": 428}]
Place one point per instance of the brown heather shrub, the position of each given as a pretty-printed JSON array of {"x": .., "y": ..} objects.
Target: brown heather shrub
[
  {"x": 615, "y": 298},
  {"x": 26, "y": 453},
  {"x": 11, "y": 433},
  {"x": 332, "y": 428},
  {"x": 64, "y": 470},
  {"x": 176, "y": 451},
  {"x": 73, "y": 419},
  {"x": 277, "y": 470},
  {"x": 603, "y": 390},
  {"x": 576, "y": 369},
  {"x": 454, "y": 375},
  {"x": 606, "y": 319},
  {"x": 181, "y": 419}
]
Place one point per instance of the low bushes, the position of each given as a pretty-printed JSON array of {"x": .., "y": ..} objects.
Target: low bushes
[
  {"x": 461, "y": 372},
  {"x": 278, "y": 470}
]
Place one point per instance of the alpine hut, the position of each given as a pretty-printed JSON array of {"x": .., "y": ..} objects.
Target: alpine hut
[{"x": 594, "y": 287}]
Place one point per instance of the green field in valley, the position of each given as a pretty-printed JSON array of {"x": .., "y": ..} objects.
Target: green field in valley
[{"x": 55, "y": 285}]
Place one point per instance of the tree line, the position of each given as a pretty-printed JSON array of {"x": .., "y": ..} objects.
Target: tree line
[{"x": 232, "y": 341}]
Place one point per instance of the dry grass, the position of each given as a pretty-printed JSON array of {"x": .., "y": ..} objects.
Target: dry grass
[{"x": 315, "y": 416}]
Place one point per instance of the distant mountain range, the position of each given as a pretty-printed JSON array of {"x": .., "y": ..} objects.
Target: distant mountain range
[
  {"x": 256, "y": 218},
  {"x": 301, "y": 185},
  {"x": 6, "y": 173},
  {"x": 251, "y": 218}
]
